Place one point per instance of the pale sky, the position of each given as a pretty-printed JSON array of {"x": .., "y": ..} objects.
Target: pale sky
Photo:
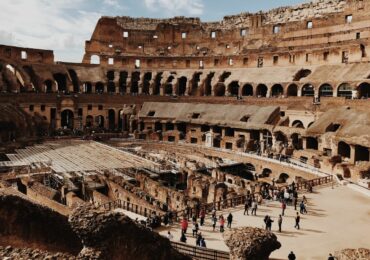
[{"x": 64, "y": 25}]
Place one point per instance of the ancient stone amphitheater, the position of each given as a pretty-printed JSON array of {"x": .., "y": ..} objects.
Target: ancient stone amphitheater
[{"x": 171, "y": 119}]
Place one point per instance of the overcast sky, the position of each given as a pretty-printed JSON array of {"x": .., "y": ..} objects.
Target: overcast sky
[{"x": 64, "y": 25}]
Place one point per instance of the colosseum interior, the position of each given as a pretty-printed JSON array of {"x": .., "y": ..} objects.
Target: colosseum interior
[{"x": 169, "y": 119}]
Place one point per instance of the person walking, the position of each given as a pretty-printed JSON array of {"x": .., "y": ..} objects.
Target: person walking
[
  {"x": 302, "y": 208},
  {"x": 199, "y": 238},
  {"x": 229, "y": 220},
  {"x": 331, "y": 257},
  {"x": 280, "y": 222},
  {"x": 283, "y": 207},
  {"x": 184, "y": 225},
  {"x": 294, "y": 202},
  {"x": 269, "y": 223},
  {"x": 203, "y": 242},
  {"x": 246, "y": 207},
  {"x": 214, "y": 219},
  {"x": 202, "y": 216},
  {"x": 195, "y": 228},
  {"x": 297, "y": 220},
  {"x": 254, "y": 208},
  {"x": 291, "y": 256},
  {"x": 183, "y": 237},
  {"x": 222, "y": 223}
]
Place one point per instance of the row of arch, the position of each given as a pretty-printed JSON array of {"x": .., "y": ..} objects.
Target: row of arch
[{"x": 144, "y": 83}]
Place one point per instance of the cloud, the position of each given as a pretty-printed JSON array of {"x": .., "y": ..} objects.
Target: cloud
[
  {"x": 112, "y": 3},
  {"x": 60, "y": 25},
  {"x": 176, "y": 7}
]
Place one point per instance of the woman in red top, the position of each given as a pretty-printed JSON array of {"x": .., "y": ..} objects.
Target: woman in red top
[
  {"x": 222, "y": 223},
  {"x": 184, "y": 225}
]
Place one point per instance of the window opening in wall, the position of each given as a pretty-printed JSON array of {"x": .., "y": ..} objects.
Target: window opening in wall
[
  {"x": 292, "y": 58},
  {"x": 349, "y": 18},
  {"x": 358, "y": 36},
  {"x": 187, "y": 63},
  {"x": 326, "y": 55},
  {"x": 231, "y": 62},
  {"x": 110, "y": 61},
  {"x": 183, "y": 35},
  {"x": 308, "y": 57},
  {"x": 31, "y": 107},
  {"x": 89, "y": 107},
  {"x": 151, "y": 113},
  {"x": 243, "y": 32},
  {"x": 195, "y": 115},
  {"x": 227, "y": 46},
  {"x": 213, "y": 35},
  {"x": 24, "y": 55},
  {"x": 110, "y": 45},
  {"x": 276, "y": 29},
  {"x": 245, "y": 61},
  {"x": 137, "y": 64},
  {"x": 155, "y": 36},
  {"x": 42, "y": 107},
  {"x": 100, "y": 107},
  {"x": 125, "y": 34},
  {"x": 345, "y": 57},
  {"x": 216, "y": 62},
  {"x": 244, "y": 119},
  {"x": 363, "y": 50},
  {"x": 275, "y": 59},
  {"x": 140, "y": 46},
  {"x": 201, "y": 65},
  {"x": 309, "y": 25},
  {"x": 332, "y": 127},
  {"x": 260, "y": 62}
]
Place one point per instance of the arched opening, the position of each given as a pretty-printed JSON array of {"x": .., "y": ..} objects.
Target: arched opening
[
  {"x": 247, "y": 90},
  {"x": 48, "y": 86},
  {"x": 363, "y": 51},
  {"x": 89, "y": 121},
  {"x": 296, "y": 141},
  {"x": 99, "y": 88},
  {"x": 135, "y": 82},
  {"x": 265, "y": 173},
  {"x": 277, "y": 90},
  {"x": 310, "y": 124},
  {"x": 233, "y": 88},
  {"x": 301, "y": 74},
  {"x": 67, "y": 119},
  {"x": 361, "y": 154},
  {"x": 87, "y": 87},
  {"x": 219, "y": 90},
  {"x": 181, "y": 86},
  {"x": 168, "y": 89},
  {"x": 345, "y": 90},
  {"x": 326, "y": 90},
  {"x": 292, "y": 90},
  {"x": 283, "y": 177},
  {"x": 297, "y": 124},
  {"x": 112, "y": 119},
  {"x": 33, "y": 77},
  {"x": 344, "y": 150},
  {"x": 157, "y": 84},
  {"x": 281, "y": 137},
  {"x": 312, "y": 143},
  {"x": 194, "y": 84},
  {"x": 208, "y": 84},
  {"x": 146, "y": 83},
  {"x": 94, "y": 59},
  {"x": 61, "y": 80},
  {"x": 123, "y": 82},
  {"x": 100, "y": 121},
  {"x": 267, "y": 137},
  {"x": 75, "y": 81},
  {"x": 111, "y": 87},
  {"x": 364, "y": 90},
  {"x": 308, "y": 91},
  {"x": 15, "y": 80},
  {"x": 261, "y": 90}
]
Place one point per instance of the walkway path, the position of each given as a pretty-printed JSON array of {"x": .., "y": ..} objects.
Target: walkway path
[{"x": 337, "y": 218}]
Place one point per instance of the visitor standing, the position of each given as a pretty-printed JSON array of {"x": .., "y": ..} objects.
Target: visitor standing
[
  {"x": 291, "y": 256},
  {"x": 229, "y": 220},
  {"x": 283, "y": 207},
  {"x": 280, "y": 222},
  {"x": 297, "y": 220},
  {"x": 222, "y": 223}
]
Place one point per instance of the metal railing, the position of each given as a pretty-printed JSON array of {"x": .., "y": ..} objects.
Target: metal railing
[{"x": 200, "y": 253}]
